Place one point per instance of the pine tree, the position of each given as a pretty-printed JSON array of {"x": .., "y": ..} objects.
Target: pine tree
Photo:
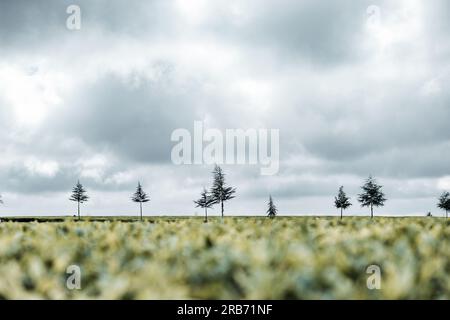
[
  {"x": 79, "y": 195},
  {"x": 342, "y": 201},
  {"x": 206, "y": 201},
  {"x": 140, "y": 197},
  {"x": 219, "y": 191},
  {"x": 444, "y": 202},
  {"x": 272, "y": 209},
  {"x": 372, "y": 195}
]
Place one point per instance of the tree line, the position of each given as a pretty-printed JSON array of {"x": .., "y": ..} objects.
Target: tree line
[{"x": 219, "y": 193}]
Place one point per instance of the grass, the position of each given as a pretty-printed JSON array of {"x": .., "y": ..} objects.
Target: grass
[{"x": 241, "y": 258}]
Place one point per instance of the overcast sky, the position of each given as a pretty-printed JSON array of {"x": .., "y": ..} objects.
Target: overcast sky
[{"x": 355, "y": 88}]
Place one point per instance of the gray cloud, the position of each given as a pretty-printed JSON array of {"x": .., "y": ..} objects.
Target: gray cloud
[
  {"x": 100, "y": 104},
  {"x": 322, "y": 33},
  {"x": 132, "y": 121}
]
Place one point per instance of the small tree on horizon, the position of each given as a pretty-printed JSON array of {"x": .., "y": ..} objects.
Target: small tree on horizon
[
  {"x": 140, "y": 197},
  {"x": 206, "y": 201},
  {"x": 1, "y": 200},
  {"x": 444, "y": 202},
  {"x": 79, "y": 195},
  {"x": 219, "y": 191},
  {"x": 272, "y": 209},
  {"x": 342, "y": 201},
  {"x": 372, "y": 195}
]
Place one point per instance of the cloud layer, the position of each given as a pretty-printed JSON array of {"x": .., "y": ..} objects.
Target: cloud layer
[{"x": 356, "y": 88}]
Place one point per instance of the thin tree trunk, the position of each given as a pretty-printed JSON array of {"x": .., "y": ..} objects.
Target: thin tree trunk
[
  {"x": 371, "y": 211},
  {"x": 446, "y": 214},
  {"x": 206, "y": 214},
  {"x": 79, "y": 218},
  {"x": 341, "y": 213},
  {"x": 140, "y": 205},
  {"x": 222, "y": 208}
]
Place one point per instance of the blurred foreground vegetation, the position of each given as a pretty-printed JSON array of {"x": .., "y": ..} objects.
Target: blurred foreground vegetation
[{"x": 241, "y": 258}]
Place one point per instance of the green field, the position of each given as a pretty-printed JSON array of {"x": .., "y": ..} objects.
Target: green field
[{"x": 240, "y": 258}]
